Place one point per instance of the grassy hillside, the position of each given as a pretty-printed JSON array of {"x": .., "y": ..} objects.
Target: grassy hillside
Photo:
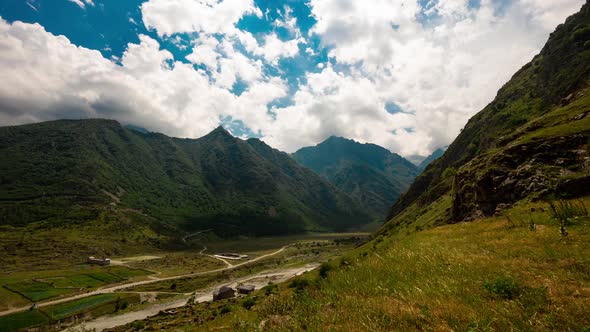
[
  {"x": 536, "y": 128},
  {"x": 67, "y": 172},
  {"x": 494, "y": 274},
  {"x": 372, "y": 175}
]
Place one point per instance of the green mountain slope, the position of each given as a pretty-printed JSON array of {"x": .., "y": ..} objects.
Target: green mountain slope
[
  {"x": 531, "y": 141},
  {"x": 68, "y": 171},
  {"x": 367, "y": 172}
]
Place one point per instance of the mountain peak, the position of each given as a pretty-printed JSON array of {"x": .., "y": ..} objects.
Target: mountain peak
[
  {"x": 334, "y": 138},
  {"x": 219, "y": 132},
  {"x": 351, "y": 165},
  {"x": 220, "y": 129}
]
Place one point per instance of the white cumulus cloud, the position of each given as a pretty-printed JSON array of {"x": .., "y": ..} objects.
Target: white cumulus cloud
[{"x": 46, "y": 77}]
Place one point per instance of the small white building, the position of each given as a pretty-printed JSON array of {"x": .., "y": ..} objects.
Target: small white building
[
  {"x": 231, "y": 256},
  {"x": 99, "y": 261}
]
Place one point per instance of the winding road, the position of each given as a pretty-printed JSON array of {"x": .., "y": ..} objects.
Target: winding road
[
  {"x": 197, "y": 233},
  {"x": 202, "y": 252},
  {"x": 112, "y": 289}
]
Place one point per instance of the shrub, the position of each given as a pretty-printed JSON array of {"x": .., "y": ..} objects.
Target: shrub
[
  {"x": 324, "y": 269},
  {"x": 504, "y": 287},
  {"x": 138, "y": 325},
  {"x": 449, "y": 172},
  {"x": 270, "y": 289},
  {"x": 225, "y": 309},
  {"x": 299, "y": 284},
  {"x": 248, "y": 303},
  {"x": 581, "y": 34},
  {"x": 472, "y": 148}
]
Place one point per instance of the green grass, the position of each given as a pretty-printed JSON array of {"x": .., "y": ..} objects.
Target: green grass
[
  {"x": 492, "y": 274},
  {"x": 21, "y": 288},
  {"x": 46, "y": 246},
  {"x": 259, "y": 245},
  {"x": 64, "y": 310},
  {"x": 107, "y": 278},
  {"x": 84, "y": 281},
  {"x": 127, "y": 273},
  {"x": 92, "y": 306},
  {"x": 37, "y": 291},
  {"x": 22, "y": 320},
  {"x": 177, "y": 263},
  {"x": 416, "y": 218}
]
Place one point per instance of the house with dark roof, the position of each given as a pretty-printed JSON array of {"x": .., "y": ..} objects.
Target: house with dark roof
[
  {"x": 245, "y": 289},
  {"x": 224, "y": 292}
]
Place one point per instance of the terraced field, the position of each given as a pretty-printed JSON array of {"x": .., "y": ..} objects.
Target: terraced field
[
  {"x": 22, "y": 288},
  {"x": 90, "y": 306},
  {"x": 87, "y": 304},
  {"x": 22, "y": 320}
]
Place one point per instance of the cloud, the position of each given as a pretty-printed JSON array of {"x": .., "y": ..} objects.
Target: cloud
[
  {"x": 46, "y": 77},
  {"x": 83, "y": 3},
  {"x": 31, "y": 4},
  {"x": 219, "y": 18},
  {"x": 209, "y": 16},
  {"x": 274, "y": 48},
  {"x": 442, "y": 71},
  {"x": 440, "y": 64}
]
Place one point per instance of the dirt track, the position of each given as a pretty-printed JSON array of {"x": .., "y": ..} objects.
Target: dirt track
[{"x": 259, "y": 280}]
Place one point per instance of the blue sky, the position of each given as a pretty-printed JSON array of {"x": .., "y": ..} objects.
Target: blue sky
[{"x": 404, "y": 75}]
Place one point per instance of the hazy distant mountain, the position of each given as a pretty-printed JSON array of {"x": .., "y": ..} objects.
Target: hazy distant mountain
[
  {"x": 371, "y": 174},
  {"x": 137, "y": 128},
  {"x": 415, "y": 159},
  {"x": 433, "y": 156},
  {"x": 60, "y": 171}
]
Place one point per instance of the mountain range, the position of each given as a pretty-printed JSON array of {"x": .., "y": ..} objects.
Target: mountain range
[
  {"x": 68, "y": 170},
  {"x": 370, "y": 174}
]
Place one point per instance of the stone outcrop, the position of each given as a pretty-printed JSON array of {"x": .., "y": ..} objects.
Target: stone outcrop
[{"x": 532, "y": 170}]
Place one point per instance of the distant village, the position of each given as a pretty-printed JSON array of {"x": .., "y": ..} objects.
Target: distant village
[
  {"x": 224, "y": 292},
  {"x": 227, "y": 292}
]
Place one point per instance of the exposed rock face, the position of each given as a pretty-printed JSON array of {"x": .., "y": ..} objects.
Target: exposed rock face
[{"x": 532, "y": 170}]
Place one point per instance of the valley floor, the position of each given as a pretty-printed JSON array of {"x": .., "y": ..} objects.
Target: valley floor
[
  {"x": 259, "y": 280},
  {"x": 139, "y": 286}
]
